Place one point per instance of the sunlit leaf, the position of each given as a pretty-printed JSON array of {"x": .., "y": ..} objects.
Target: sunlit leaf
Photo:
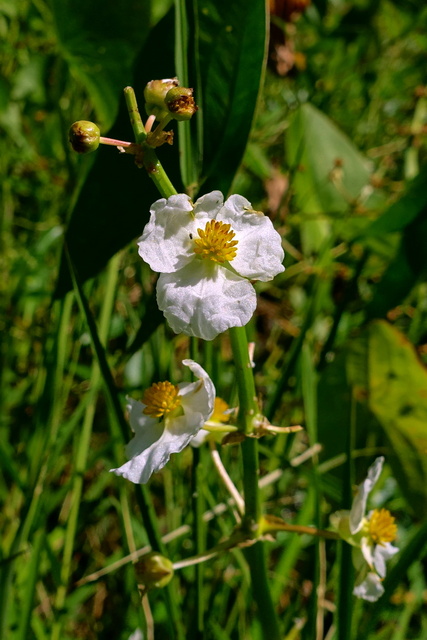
[
  {"x": 330, "y": 173},
  {"x": 384, "y": 369}
]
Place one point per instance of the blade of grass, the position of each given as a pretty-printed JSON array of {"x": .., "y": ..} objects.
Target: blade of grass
[
  {"x": 24, "y": 631},
  {"x": 346, "y": 571},
  {"x": 83, "y": 443}
]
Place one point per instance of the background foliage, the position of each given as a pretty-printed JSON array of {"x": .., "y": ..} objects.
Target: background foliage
[{"x": 337, "y": 157}]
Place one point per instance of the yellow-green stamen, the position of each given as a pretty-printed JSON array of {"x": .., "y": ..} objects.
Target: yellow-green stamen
[
  {"x": 216, "y": 242},
  {"x": 381, "y": 526},
  {"x": 161, "y": 398}
]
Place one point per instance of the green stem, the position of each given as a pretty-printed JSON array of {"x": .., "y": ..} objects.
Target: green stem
[
  {"x": 134, "y": 115},
  {"x": 156, "y": 172},
  {"x": 248, "y": 410},
  {"x": 248, "y": 405},
  {"x": 150, "y": 160}
]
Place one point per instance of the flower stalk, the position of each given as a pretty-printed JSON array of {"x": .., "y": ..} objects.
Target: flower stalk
[
  {"x": 248, "y": 416},
  {"x": 248, "y": 411},
  {"x": 150, "y": 160}
]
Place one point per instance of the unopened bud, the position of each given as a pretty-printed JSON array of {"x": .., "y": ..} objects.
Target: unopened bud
[
  {"x": 84, "y": 136},
  {"x": 155, "y": 93},
  {"x": 180, "y": 103},
  {"x": 154, "y": 570}
]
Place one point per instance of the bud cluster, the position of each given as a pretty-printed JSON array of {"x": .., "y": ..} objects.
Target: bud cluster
[{"x": 165, "y": 98}]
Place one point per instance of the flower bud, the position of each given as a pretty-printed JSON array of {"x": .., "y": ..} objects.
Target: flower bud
[
  {"x": 154, "y": 570},
  {"x": 180, "y": 103},
  {"x": 154, "y": 93},
  {"x": 84, "y": 136}
]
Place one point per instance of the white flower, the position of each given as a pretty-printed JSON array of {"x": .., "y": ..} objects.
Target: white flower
[
  {"x": 370, "y": 534},
  {"x": 165, "y": 422},
  {"x": 206, "y": 254},
  {"x": 370, "y": 588}
]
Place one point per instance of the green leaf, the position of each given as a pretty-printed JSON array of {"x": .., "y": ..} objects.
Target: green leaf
[
  {"x": 401, "y": 213},
  {"x": 384, "y": 368},
  {"x": 410, "y": 263},
  {"x": 230, "y": 54},
  {"x": 330, "y": 173},
  {"x": 100, "y": 40}
]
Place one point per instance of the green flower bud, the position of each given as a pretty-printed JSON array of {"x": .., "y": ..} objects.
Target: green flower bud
[
  {"x": 84, "y": 136},
  {"x": 154, "y": 570},
  {"x": 155, "y": 93},
  {"x": 180, "y": 103}
]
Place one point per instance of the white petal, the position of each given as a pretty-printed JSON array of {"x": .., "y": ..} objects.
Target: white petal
[
  {"x": 138, "y": 420},
  {"x": 145, "y": 461},
  {"x": 204, "y": 299},
  {"x": 370, "y": 589},
  {"x": 198, "y": 396},
  {"x": 208, "y": 205},
  {"x": 166, "y": 244},
  {"x": 259, "y": 250},
  {"x": 199, "y": 438},
  {"x": 368, "y": 551},
  {"x": 140, "y": 452},
  {"x": 359, "y": 503},
  {"x": 381, "y": 554}
]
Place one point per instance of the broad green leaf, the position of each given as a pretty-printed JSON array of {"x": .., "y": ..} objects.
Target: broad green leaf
[
  {"x": 230, "y": 50},
  {"x": 330, "y": 173},
  {"x": 100, "y": 40},
  {"x": 384, "y": 368}
]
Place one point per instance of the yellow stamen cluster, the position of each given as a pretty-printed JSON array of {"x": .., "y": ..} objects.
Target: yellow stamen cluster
[
  {"x": 219, "y": 414},
  {"x": 161, "y": 398},
  {"x": 381, "y": 526},
  {"x": 216, "y": 242}
]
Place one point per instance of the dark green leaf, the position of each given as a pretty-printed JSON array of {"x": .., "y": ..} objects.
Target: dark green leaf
[
  {"x": 231, "y": 44},
  {"x": 100, "y": 41},
  {"x": 401, "y": 213},
  {"x": 410, "y": 263}
]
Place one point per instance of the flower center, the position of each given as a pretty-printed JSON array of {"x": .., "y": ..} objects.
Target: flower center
[
  {"x": 216, "y": 242},
  {"x": 161, "y": 398},
  {"x": 381, "y": 526}
]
